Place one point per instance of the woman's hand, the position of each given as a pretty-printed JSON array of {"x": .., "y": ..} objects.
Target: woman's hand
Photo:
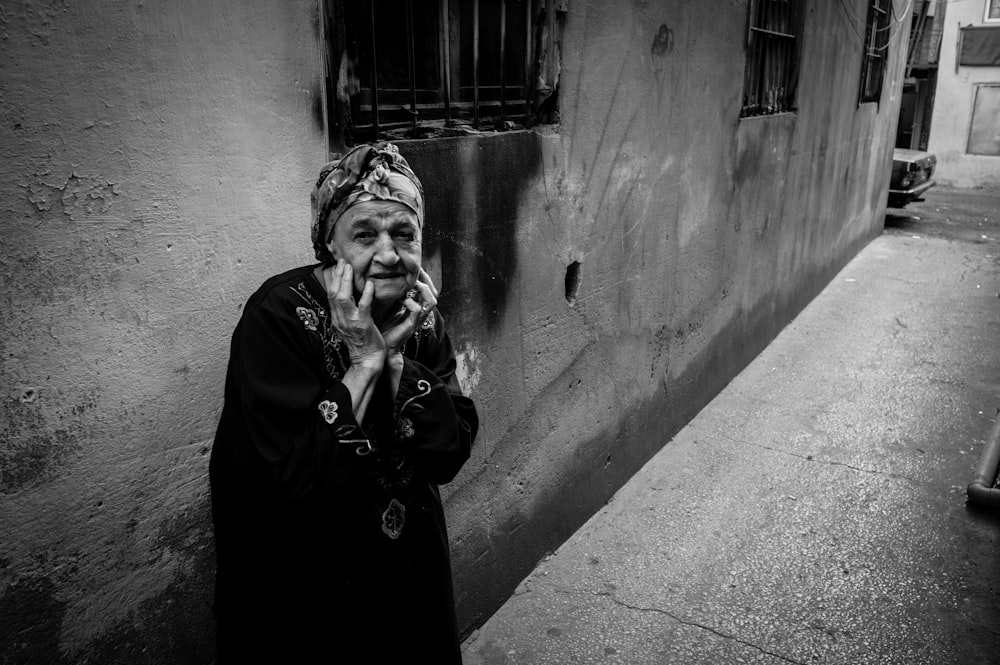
[
  {"x": 399, "y": 328},
  {"x": 353, "y": 321}
]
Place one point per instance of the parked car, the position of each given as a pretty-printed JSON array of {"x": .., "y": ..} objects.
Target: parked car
[{"x": 912, "y": 175}]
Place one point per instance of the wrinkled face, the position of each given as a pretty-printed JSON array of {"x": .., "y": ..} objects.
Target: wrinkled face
[{"x": 381, "y": 241}]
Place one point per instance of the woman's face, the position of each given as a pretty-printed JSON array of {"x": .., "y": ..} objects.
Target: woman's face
[{"x": 381, "y": 241}]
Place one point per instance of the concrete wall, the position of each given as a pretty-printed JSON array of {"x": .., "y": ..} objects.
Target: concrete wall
[
  {"x": 699, "y": 236},
  {"x": 155, "y": 165},
  {"x": 952, "y": 116}
]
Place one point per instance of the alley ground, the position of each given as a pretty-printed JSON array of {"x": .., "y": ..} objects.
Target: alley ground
[{"x": 815, "y": 511}]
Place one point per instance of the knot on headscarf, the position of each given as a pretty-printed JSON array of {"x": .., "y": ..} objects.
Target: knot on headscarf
[{"x": 366, "y": 173}]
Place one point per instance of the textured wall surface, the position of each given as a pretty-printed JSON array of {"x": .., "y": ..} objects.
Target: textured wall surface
[
  {"x": 953, "y": 103},
  {"x": 155, "y": 163},
  {"x": 698, "y": 236}
]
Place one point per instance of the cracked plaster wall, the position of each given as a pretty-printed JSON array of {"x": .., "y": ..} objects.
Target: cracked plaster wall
[{"x": 155, "y": 165}]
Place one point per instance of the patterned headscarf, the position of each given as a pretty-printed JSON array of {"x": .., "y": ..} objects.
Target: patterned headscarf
[{"x": 366, "y": 173}]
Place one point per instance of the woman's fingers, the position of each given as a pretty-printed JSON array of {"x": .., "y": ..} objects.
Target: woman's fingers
[
  {"x": 332, "y": 277},
  {"x": 426, "y": 279},
  {"x": 428, "y": 296},
  {"x": 365, "y": 302},
  {"x": 345, "y": 289}
]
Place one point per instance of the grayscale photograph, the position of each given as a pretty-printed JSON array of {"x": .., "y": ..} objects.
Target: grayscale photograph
[{"x": 500, "y": 332}]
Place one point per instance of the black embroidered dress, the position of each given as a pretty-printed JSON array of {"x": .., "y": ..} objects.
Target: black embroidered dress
[{"x": 330, "y": 536}]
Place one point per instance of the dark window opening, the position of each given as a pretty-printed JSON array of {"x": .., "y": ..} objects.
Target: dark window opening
[
  {"x": 876, "y": 49},
  {"x": 772, "y": 68},
  {"x": 415, "y": 69}
]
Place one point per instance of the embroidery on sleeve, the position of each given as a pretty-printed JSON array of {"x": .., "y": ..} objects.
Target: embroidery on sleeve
[
  {"x": 333, "y": 351},
  {"x": 308, "y": 318},
  {"x": 426, "y": 328},
  {"x": 364, "y": 449},
  {"x": 329, "y": 411},
  {"x": 404, "y": 428},
  {"x": 393, "y": 519},
  {"x": 424, "y": 386}
]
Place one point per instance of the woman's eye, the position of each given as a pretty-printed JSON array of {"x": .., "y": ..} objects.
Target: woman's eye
[
  {"x": 361, "y": 236},
  {"x": 405, "y": 236}
]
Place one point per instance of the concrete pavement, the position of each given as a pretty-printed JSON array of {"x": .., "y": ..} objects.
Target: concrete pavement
[{"x": 815, "y": 511}]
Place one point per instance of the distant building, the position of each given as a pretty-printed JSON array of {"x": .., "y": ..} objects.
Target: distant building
[
  {"x": 965, "y": 126},
  {"x": 920, "y": 79}
]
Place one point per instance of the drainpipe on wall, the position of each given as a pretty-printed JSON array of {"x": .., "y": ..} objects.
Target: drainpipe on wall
[{"x": 981, "y": 490}]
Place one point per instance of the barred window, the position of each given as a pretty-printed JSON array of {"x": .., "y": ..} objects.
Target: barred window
[
  {"x": 418, "y": 68},
  {"x": 772, "y": 69},
  {"x": 876, "y": 49}
]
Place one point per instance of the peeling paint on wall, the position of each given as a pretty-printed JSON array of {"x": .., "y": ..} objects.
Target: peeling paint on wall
[
  {"x": 31, "y": 451},
  {"x": 467, "y": 369},
  {"x": 78, "y": 196}
]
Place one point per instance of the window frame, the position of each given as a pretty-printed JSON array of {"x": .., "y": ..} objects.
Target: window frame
[
  {"x": 452, "y": 104},
  {"x": 878, "y": 34},
  {"x": 991, "y": 5},
  {"x": 978, "y": 88},
  {"x": 769, "y": 50}
]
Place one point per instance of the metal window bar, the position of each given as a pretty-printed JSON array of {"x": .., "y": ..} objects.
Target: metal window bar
[
  {"x": 374, "y": 74},
  {"x": 411, "y": 63},
  {"x": 873, "y": 59},
  {"x": 475, "y": 64},
  {"x": 503, "y": 53},
  {"x": 445, "y": 61},
  {"x": 550, "y": 52},
  {"x": 770, "y": 52},
  {"x": 528, "y": 42},
  {"x": 392, "y": 108}
]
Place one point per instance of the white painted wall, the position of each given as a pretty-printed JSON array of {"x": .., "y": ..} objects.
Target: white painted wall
[{"x": 952, "y": 114}]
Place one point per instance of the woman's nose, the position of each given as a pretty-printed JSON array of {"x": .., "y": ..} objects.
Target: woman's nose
[{"x": 385, "y": 251}]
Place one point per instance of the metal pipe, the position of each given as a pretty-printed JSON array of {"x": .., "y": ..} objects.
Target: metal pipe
[
  {"x": 446, "y": 61},
  {"x": 503, "y": 53},
  {"x": 411, "y": 64},
  {"x": 528, "y": 43},
  {"x": 958, "y": 47},
  {"x": 550, "y": 53},
  {"x": 475, "y": 63},
  {"x": 981, "y": 491},
  {"x": 374, "y": 76}
]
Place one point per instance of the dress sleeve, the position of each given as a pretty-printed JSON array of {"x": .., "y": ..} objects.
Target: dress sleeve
[
  {"x": 435, "y": 422},
  {"x": 299, "y": 422}
]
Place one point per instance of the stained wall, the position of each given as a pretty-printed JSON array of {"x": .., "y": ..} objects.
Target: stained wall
[
  {"x": 155, "y": 166},
  {"x": 698, "y": 235}
]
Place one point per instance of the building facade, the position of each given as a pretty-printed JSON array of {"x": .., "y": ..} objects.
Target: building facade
[
  {"x": 618, "y": 224},
  {"x": 965, "y": 126},
  {"x": 920, "y": 80}
]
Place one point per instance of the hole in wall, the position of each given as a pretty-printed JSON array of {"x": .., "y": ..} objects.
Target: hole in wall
[{"x": 572, "y": 282}]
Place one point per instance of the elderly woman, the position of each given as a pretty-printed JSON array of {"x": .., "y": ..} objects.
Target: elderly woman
[{"x": 342, "y": 415}]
